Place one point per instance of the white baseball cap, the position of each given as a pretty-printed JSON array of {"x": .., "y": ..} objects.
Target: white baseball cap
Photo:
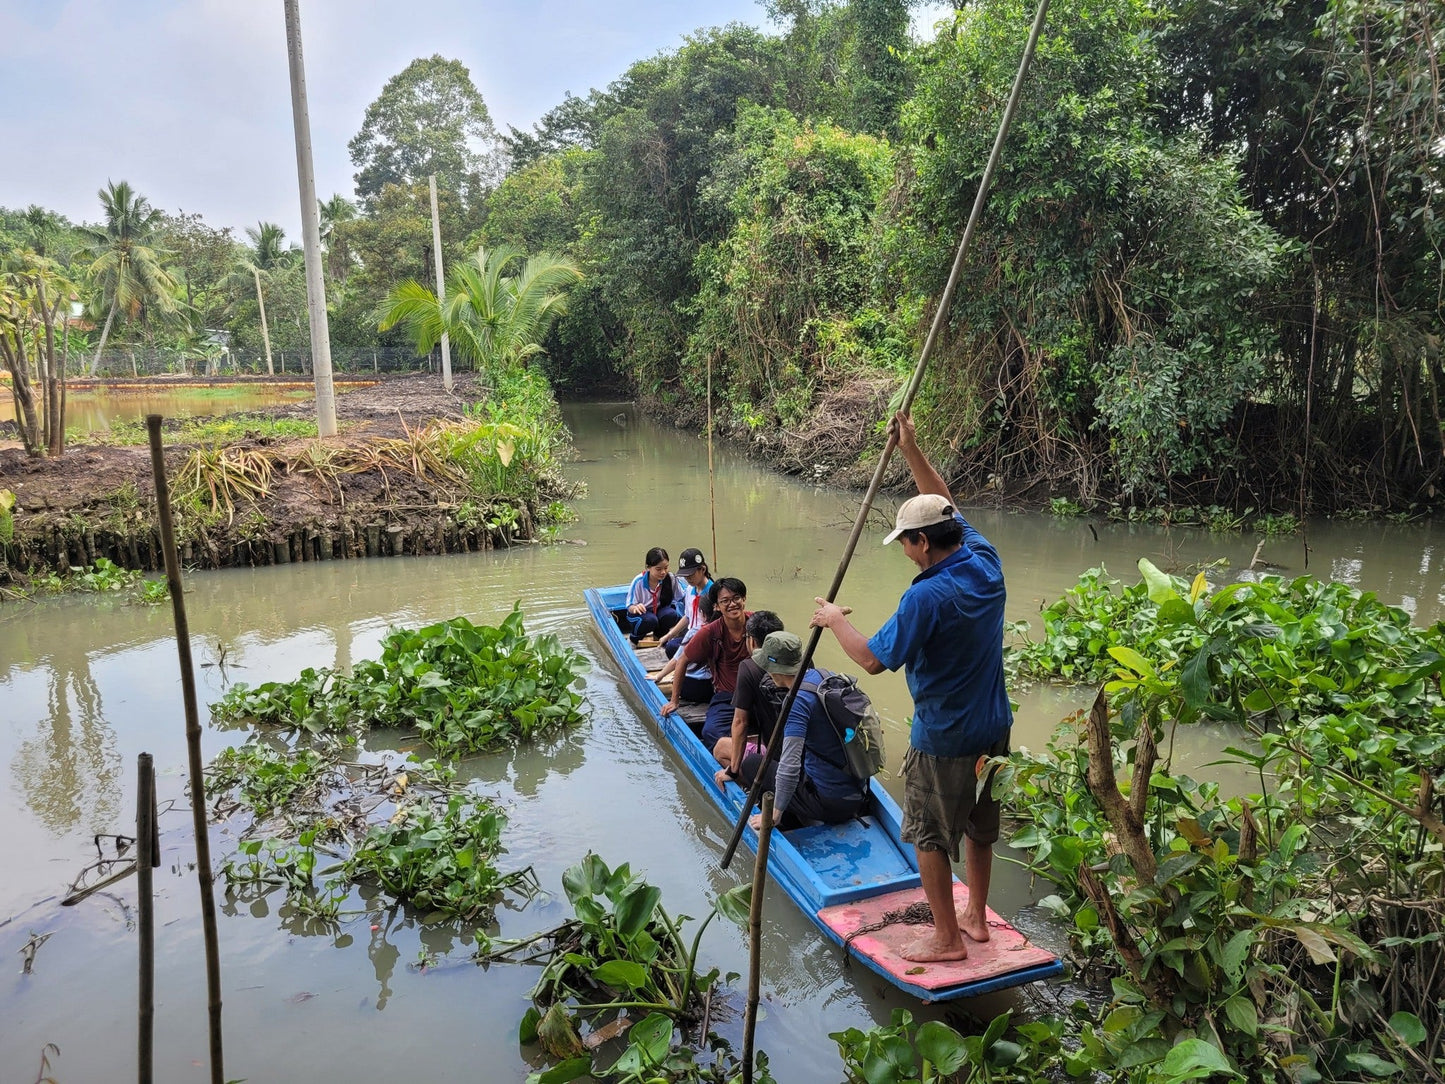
[{"x": 924, "y": 510}]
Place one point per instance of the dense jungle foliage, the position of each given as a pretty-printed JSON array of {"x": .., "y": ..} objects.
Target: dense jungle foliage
[{"x": 1210, "y": 272}]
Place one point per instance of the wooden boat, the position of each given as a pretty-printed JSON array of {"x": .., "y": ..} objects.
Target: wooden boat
[{"x": 845, "y": 877}]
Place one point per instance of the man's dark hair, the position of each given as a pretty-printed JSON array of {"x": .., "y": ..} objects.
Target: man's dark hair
[
  {"x": 761, "y": 624},
  {"x": 941, "y": 536},
  {"x": 732, "y": 583}
]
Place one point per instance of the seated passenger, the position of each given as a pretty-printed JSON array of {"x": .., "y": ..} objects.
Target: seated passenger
[
  {"x": 696, "y": 581},
  {"x": 756, "y": 699},
  {"x": 695, "y": 683},
  {"x": 653, "y": 597},
  {"x": 722, "y": 645},
  {"x": 810, "y": 780}
]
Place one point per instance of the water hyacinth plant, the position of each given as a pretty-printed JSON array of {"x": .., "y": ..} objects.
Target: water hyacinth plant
[{"x": 462, "y": 687}]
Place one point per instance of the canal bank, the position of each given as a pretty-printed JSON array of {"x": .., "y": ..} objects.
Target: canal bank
[{"x": 416, "y": 470}]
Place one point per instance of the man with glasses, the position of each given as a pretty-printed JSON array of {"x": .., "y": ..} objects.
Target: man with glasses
[
  {"x": 948, "y": 636},
  {"x": 722, "y": 645}
]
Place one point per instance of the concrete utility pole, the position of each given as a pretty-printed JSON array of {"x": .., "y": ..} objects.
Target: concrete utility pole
[
  {"x": 310, "y": 230},
  {"x": 436, "y": 244}
]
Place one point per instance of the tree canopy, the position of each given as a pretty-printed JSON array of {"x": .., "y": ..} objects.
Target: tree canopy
[{"x": 429, "y": 118}]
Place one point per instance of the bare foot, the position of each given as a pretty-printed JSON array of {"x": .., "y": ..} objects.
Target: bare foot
[
  {"x": 931, "y": 950},
  {"x": 975, "y": 927}
]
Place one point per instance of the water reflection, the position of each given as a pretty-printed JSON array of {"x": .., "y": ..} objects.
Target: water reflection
[{"x": 66, "y": 769}]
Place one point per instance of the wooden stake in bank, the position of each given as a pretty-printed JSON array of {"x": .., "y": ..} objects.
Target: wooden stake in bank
[
  {"x": 940, "y": 317},
  {"x": 193, "y": 747}
]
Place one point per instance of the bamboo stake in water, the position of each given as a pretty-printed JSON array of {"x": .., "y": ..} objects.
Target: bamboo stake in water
[
  {"x": 755, "y": 936},
  {"x": 146, "y": 857},
  {"x": 193, "y": 747},
  {"x": 940, "y": 317}
]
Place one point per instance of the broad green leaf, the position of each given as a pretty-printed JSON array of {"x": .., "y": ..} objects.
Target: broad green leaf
[
  {"x": 1195, "y": 1059},
  {"x": 1242, "y": 1014},
  {"x": 587, "y": 878},
  {"x": 527, "y": 1030},
  {"x": 1366, "y": 1062},
  {"x": 1161, "y": 585},
  {"x": 736, "y": 903},
  {"x": 634, "y": 910},
  {"x": 1236, "y": 954},
  {"x": 941, "y": 1046},
  {"x": 621, "y": 974},
  {"x": 653, "y": 1036},
  {"x": 1133, "y": 660},
  {"x": 569, "y": 1070},
  {"x": 1408, "y": 1027}
]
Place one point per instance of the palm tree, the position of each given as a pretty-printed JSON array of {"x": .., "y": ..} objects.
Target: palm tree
[
  {"x": 128, "y": 270},
  {"x": 494, "y": 319},
  {"x": 336, "y": 210},
  {"x": 268, "y": 253}
]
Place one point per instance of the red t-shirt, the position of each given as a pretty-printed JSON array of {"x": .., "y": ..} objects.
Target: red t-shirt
[{"x": 714, "y": 645}]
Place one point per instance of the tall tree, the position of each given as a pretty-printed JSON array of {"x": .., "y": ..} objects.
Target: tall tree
[
  {"x": 34, "y": 301},
  {"x": 493, "y": 319},
  {"x": 334, "y": 212},
  {"x": 429, "y": 118},
  {"x": 267, "y": 258},
  {"x": 129, "y": 274}
]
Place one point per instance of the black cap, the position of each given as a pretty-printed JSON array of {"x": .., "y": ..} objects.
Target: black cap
[{"x": 690, "y": 561}]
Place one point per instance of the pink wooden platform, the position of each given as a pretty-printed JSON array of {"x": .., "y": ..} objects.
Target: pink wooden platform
[{"x": 1006, "y": 949}]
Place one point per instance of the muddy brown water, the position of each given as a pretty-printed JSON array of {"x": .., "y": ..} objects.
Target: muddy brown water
[
  {"x": 93, "y": 411},
  {"x": 86, "y": 684}
]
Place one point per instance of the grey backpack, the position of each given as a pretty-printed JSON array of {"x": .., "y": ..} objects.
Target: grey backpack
[{"x": 854, "y": 720}]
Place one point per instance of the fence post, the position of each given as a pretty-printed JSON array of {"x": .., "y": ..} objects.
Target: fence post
[{"x": 373, "y": 361}]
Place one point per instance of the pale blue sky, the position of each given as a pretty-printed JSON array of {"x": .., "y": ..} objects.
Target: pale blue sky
[{"x": 189, "y": 100}]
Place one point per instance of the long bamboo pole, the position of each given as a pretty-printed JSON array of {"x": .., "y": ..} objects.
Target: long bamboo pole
[
  {"x": 711, "y": 499},
  {"x": 204, "y": 874},
  {"x": 755, "y": 937},
  {"x": 940, "y": 317}
]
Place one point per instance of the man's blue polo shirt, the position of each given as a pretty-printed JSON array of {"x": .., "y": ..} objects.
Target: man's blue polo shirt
[{"x": 948, "y": 636}]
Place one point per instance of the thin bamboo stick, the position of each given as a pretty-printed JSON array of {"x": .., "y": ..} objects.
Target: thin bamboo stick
[
  {"x": 755, "y": 936},
  {"x": 204, "y": 873},
  {"x": 711, "y": 499},
  {"x": 940, "y": 317},
  {"x": 145, "y": 859}
]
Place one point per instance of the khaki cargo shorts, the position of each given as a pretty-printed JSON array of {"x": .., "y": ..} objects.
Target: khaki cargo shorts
[{"x": 939, "y": 804}]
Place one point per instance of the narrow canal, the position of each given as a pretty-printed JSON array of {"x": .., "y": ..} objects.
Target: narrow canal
[{"x": 86, "y": 684}]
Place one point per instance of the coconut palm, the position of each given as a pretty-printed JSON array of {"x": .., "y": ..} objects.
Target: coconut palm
[
  {"x": 128, "y": 272},
  {"x": 267, "y": 255},
  {"x": 336, "y": 210},
  {"x": 494, "y": 319}
]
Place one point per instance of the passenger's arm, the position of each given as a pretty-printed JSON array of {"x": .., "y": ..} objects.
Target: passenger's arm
[
  {"x": 739, "y": 740},
  {"x": 854, "y": 644},
  {"x": 925, "y": 477}
]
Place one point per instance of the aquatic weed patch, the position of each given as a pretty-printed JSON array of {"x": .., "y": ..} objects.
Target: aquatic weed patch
[
  {"x": 408, "y": 831},
  {"x": 1298, "y": 929},
  {"x": 462, "y": 687},
  {"x": 623, "y": 969}
]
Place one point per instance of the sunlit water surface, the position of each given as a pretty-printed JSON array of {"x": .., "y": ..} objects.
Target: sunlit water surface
[{"x": 85, "y": 685}]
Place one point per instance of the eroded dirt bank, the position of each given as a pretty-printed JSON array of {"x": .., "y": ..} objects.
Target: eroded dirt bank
[{"x": 370, "y": 492}]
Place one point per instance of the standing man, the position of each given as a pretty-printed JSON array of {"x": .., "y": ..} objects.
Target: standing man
[{"x": 948, "y": 636}]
